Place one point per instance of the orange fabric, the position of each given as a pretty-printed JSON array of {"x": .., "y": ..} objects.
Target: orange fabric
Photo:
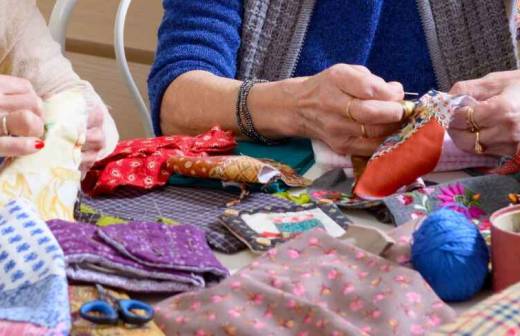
[{"x": 414, "y": 158}]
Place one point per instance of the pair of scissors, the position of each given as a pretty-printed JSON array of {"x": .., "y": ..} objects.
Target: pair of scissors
[{"x": 109, "y": 310}]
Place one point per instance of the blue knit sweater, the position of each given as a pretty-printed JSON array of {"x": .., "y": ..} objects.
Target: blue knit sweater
[{"x": 384, "y": 35}]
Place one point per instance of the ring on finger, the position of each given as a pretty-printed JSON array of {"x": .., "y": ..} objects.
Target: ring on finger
[
  {"x": 348, "y": 111},
  {"x": 408, "y": 109},
  {"x": 479, "y": 149},
  {"x": 5, "y": 129},
  {"x": 471, "y": 120},
  {"x": 363, "y": 131}
]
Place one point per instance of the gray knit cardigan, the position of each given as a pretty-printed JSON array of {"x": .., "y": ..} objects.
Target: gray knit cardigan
[{"x": 466, "y": 38}]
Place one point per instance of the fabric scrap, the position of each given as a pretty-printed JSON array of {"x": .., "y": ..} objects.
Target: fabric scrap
[
  {"x": 312, "y": 285},
  {"x": 141, "y": 163},
  {"x": 79, "y": 295},
  {"x": 199, "y": 207},
  {"x": 93, "y": 256},
  {"x": 262, "y": 229},
  {"x": 497, "y": 315},
  {"x": 50, "y": 178},
  {"x": 416, "y": 147},
  {"x": 236, "y": 168},
  {"x": 33, "y": 285},
  {"x": 477, "y": 198}
]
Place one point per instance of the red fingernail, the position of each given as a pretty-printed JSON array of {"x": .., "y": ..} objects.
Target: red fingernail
[{"x": 39, "y": 144}]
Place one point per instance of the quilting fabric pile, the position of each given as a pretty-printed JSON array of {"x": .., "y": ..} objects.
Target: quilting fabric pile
[
  {"x": 138, "y": 256},
  {"x": 33, "y": 285},
  {"x": 311, "y": 285},
  {"x": 50, "y": 178},
  {"x": 141, "y": 163},
  {"x": 199, "y": 207}
]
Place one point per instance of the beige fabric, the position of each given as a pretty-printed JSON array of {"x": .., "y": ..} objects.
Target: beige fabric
[
  {"x": 27, "y": 50},
  {"x": 50, "y": 177}
]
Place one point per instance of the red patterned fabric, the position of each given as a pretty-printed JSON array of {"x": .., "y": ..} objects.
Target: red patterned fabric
[
  {"x": 510, "y": 167},
  {"x": 141, "y": 163}
]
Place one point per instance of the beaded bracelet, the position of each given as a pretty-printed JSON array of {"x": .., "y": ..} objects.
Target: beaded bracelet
[{"x": 244, "y": 119}]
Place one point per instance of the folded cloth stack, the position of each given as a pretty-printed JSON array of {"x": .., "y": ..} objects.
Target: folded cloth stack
[
  {"x": 311, "y": 285},
  {"x": 138, "y": 256}
]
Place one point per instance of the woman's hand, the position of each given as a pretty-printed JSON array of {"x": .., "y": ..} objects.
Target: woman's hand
[
  {"x": 21, "y": 123},
  {"x": 95, "y": 141},
  {"x": 496, "y": 114},
  {"x": 345, "y": 106}
]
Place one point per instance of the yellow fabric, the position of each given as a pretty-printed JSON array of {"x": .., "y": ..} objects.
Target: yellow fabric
[{"x": 50, "y": 178}]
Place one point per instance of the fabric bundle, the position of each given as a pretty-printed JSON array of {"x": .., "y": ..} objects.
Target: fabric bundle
[
  {"x": 33, "y": 286},
  {"x": 236, "y": 168},
  {"x": 141, "y": 163},
  {"x": 50, "y": 178},
  {"x": 195, "y": 206},
  {"x": 311, "y": 285},
  {"x": 414, "y": 151},
  {"x": 138, "y": 256}
]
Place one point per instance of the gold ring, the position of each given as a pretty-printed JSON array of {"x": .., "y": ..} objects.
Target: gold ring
[
  {"x": 348, "y": 112},
  {"x": 5, "y": 130},
  {"x": 479, "y": 149},
  {"x": 363, "y": 131},
  {"x": 471, "y": 119},
  {"x": 408, "y": 109}
]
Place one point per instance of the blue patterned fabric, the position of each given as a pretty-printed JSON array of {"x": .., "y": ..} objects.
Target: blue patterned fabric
[{"x": 33, "y": 285}]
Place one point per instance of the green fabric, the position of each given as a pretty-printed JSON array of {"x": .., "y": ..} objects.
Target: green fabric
[
  {"x": 300, "y": 199},
  {"x": 296, "y": 153}
]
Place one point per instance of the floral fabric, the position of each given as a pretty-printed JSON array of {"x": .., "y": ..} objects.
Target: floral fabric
[
  {"x": 50, "y": 178},
  {"x": 311, "y": 285},
  {"x": 477, "y": 198},
  {"x": 141, "y": 163}
]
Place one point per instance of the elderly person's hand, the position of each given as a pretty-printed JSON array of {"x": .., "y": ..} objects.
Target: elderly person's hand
[
  {"x": 345, "y": 106},
  {"x": 21, "y": 123},
  {"x": 492, "y": 125},
  {"x": 95, "y": 141}
]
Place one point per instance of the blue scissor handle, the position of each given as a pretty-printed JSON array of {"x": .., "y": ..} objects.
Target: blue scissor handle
[
  {"x": 105, "y": 313},
  {"x": 125, "y": 311}
]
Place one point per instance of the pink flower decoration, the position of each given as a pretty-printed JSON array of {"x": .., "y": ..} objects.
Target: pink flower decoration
[
  {"x": 217, "y": 298},
  {"x": 416, "y": 329},
  {"x": 212, "y": 316},
  {"x": 376, "y": 314},
  {"x": 257, "y": 298},
  {"x": 413, "y": 297},
  {"x": 348, "y": 288},
  {"x": 378, "y": 297},
  {"x": 195, "y": 305},
  {"x": 236, "y": 285},
  {"x": 357, "y": 304},
  {"x": 201, "y": 332},
  {"x": 485, "y": 225},
  {"x": 258, "y": 324},
  {"x": 314, "y": 242},
  {"x": 434, "y": 320},
  {"x": 299, "y": 289},
  {"x": 405, "y": 199},
  {"x": 293, "y": 254},
  {"x": 333, "y": 274},
  {"x": 366, "y": 330},
  {"x": 234, "y": 312}
]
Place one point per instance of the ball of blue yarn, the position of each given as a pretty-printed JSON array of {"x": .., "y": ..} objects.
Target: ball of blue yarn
[{"x": 451, "y": 255}]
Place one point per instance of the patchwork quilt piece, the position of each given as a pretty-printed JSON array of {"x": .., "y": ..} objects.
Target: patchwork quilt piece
[
  {"x": 236, "y": 168},
  {"x": 141, "y": 163},
  {"x": 476, "y": 198},
  {"x": 50, "y": 178},
  {"x": 414, "y": 151},
  {"x": 142, "y": 257},
  {"x": 311, "y": 285},
  {"x": 80, "y": 295},
  {"x": 33, "y": 286},
  {"x": 199, "y": 207},
  {"x": 497, "y": 315},
  {"x": 262, "y": 229}
]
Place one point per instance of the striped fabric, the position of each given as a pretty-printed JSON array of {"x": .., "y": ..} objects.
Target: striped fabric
[{"x": 499, "y": 315}]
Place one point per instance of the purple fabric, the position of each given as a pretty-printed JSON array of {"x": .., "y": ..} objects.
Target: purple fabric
[
  {"x": 181, "y": 247},
  {"x": 92, "y": 259}
]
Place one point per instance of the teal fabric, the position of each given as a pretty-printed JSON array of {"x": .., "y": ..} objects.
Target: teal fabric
[{"x": 296, "y": 153}]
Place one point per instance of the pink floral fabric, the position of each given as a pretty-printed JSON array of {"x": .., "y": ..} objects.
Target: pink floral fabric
[{"x": 311, "y": 285}]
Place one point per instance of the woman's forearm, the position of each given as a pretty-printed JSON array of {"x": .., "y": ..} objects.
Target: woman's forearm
[{"x": 199, "y": 100}]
